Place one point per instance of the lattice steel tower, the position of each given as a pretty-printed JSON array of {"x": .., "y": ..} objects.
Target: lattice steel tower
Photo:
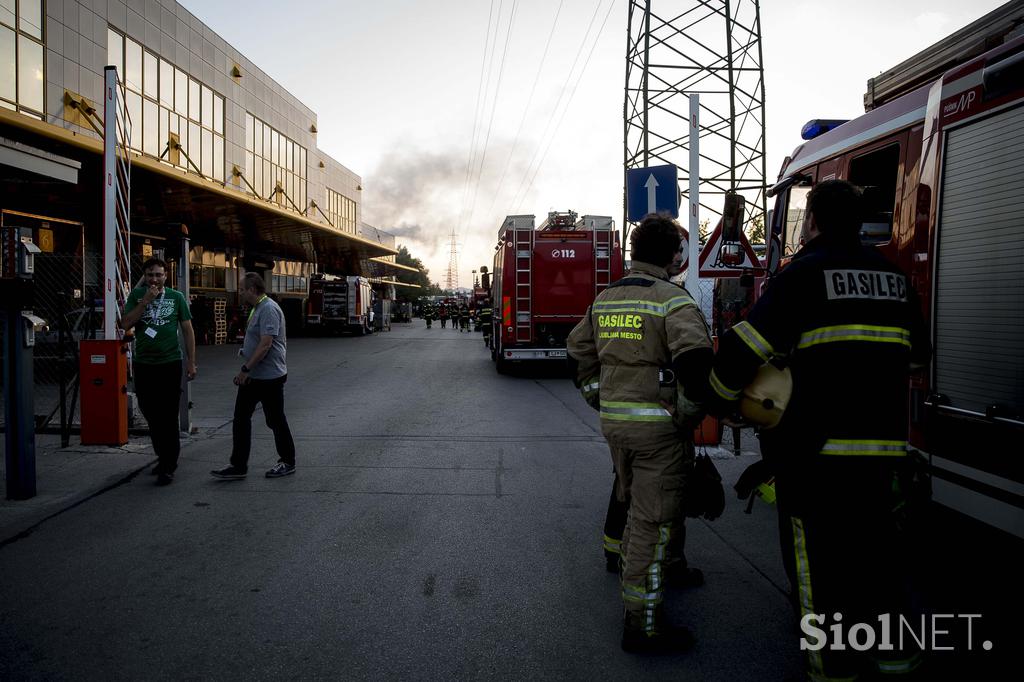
[
  {"x": 452, "y": 277},
  {"x": 710, "y": 47}
]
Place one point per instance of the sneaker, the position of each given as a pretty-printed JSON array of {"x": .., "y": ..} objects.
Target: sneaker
[
  {"x": 281, "y": 469},
  {"x": 229, "y": 473},
  {"x": 163, "y": 479},
  {"x": 668, "y": 640}
]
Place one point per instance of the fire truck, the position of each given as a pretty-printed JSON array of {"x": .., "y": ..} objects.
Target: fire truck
[
  {"x": 938, "y": 155},
  {"x": 337, "y": 304},
  {"x": 543, "y": 280}
]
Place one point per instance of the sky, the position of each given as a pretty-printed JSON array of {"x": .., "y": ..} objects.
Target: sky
[{"x": 454, "y": 120}]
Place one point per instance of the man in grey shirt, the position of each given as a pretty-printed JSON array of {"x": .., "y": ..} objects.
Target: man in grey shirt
[{"x": 261, "y": 381}]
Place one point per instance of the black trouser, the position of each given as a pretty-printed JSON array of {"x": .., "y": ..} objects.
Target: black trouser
[
  {"x": 158, "y": 388},
  {"x": 270, "y": 394}
]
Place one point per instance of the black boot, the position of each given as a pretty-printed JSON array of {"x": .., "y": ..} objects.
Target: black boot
[{"x": 666, "y": 639}]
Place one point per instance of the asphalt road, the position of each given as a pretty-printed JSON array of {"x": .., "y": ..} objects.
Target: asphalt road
[{"x": 445, "y": 522}]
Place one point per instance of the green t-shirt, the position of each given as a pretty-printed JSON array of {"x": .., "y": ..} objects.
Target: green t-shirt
[{"x": 156, "y": 333}]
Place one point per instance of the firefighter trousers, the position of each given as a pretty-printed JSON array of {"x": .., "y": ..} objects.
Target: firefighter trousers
[
  {"x": 615, "y": 526},
  {"x": 852, "y": 562},
  {"x": 650, "y": 482}
]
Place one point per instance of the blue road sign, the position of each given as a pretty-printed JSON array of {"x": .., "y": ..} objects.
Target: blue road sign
[{"x": 654, "y": 189}]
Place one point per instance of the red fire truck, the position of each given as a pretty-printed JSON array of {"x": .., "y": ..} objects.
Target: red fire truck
[
  {"x": 938, "y": 154},
  {"x": 544, "y": 279},
  {"x": 338, "y": 304}
]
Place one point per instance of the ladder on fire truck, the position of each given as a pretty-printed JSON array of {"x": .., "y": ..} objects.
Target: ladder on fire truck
[
  {"x": 524, "y": 283},
  {"x": 602, "y": 260}
]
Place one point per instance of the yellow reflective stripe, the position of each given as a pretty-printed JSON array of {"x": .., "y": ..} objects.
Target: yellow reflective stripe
[
  {"x": 878, "y": 448},
  {"x": 754, "y": 340},
  {"x": 630, "y": 411},
  {"x": 590, "y": 386},
  {"x": 678, "y": 302},
  {"x": 723, "y": 391},
  {"x": 612, "y": 545},
  {"x": 854, "y": 332},
  {"x": 803, "y": 581},
  {"x": 639, "y": 306}
]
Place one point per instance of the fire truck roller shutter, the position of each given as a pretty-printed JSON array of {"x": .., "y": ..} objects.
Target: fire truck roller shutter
[{"x": 979, "y": 295}]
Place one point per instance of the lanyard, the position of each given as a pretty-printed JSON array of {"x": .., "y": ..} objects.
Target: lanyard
[{"x": 262, "y": 299}]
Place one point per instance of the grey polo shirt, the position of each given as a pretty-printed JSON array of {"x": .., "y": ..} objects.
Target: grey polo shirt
[{"x": 267, "y": 320}]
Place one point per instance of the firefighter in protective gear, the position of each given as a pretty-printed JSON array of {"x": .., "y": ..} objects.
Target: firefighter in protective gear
[
  {"x": 484, "y": 315},
  {"x": 642, "y": 341},
  {"x": 850, "y": 327}
]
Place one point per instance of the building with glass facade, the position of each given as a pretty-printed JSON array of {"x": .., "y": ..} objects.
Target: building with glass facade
[{"x": 226, "y": 176}]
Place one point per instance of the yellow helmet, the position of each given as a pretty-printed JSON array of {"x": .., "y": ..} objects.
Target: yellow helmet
[{"x": 764, "y": 400}]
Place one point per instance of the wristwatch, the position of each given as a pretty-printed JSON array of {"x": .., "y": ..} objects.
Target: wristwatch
[{"x": 245, "y": 370}]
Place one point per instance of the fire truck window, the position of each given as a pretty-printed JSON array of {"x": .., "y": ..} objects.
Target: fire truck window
[
  {"x": 795, "y": 209},
  {"x": 878, "y": 174}
]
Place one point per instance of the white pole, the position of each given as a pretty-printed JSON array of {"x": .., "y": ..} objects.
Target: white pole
[
  {"x": 693, "y": 259},
  {"x": 110, "y": 205}
]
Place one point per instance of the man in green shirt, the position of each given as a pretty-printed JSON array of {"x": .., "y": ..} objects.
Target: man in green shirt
[{"x": 155, "y": 311}]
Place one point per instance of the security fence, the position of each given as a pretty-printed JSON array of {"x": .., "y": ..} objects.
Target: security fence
[{"x": 67, "y": 296}]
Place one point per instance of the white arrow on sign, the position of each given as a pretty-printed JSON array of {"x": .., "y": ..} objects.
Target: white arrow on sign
[{"x": 651, "y": 185}]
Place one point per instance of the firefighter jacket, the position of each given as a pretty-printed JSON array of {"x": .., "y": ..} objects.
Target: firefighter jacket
[
  {"x": 848, "y": 325},
  {"x": 625, "y": 346}
]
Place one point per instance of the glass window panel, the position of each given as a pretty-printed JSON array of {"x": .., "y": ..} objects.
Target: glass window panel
[
  {"x": 195, "y": 145},
  {"x": 289, "y": 153},
  {"x": 207, "y": 99},
  {"x": 302, "y": 162},
  {"x": 7, "y": 13},
  {"x": 218, "y": 114},
  {"x": 8, "y": 74},
  {"x": 267, "y": 180},
  {"x": 183, "y": 141},
  {"x": 249, "y": 134},
  {"x": 250, "y": 170},
  {"x": 164, "y": 130},
  {"x": 172, "y": 121},
  {"x": 133, "y": 64},
  {"x": 149, "y": 79},
  {"x": 30, "y": 74},
  {"x": 208, "y": 277},
  {"x": 180, "y": 92},
  {"x": 134, "y": 101},
  {"x": 255, "y": 173},
  {"x": 194, "y": 110},
  {"x": 207, "y": 165},
  {"x": 275, "y": 143},
  {"x": 115, "y": 51},
  {"x": 31, "y": 15},
  {"x": 150, "y": 127},
  {"x": 266, "y": 141},
  {"x": 218, "y": 158},
  {"x": 166, "y": 84},
  {"x": 219, "y": 276}
]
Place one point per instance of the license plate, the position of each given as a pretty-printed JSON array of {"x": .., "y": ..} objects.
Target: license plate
[{"x": 556, "y": 353}]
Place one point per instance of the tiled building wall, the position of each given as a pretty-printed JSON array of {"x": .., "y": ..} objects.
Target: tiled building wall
[{"x": 76, "y": 53}]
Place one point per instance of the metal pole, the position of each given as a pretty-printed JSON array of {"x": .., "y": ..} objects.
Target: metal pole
[
  {"x": 732, "y": 96},
  {"x": 647, "y": 71},
  {"x": 694, "y": 243},
  {"x": 185, "y": 404}
]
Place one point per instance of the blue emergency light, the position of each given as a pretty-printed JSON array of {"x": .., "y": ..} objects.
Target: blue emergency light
[{"x": 819, "y": 126}]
